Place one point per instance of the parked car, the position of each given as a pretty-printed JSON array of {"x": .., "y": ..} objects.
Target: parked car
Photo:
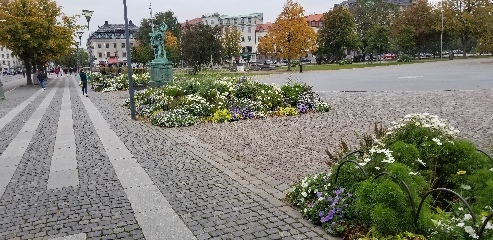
[
  {"x": 268, "y": 62},
  {"x": 305, "y": 60},
  {"x": 389, "y": 56}
]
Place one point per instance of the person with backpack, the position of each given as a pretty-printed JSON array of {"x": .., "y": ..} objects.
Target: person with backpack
[
  {"x": 41, "y": 77},
  {"x": 83, "y": 79}
]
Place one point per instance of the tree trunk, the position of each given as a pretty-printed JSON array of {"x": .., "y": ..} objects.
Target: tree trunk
[
  {"x": 289, "y": 64},
  {"x": 28, "y": 73}
]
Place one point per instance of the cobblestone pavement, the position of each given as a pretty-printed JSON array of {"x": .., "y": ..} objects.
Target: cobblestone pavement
[{"x": 213, "y": 199}]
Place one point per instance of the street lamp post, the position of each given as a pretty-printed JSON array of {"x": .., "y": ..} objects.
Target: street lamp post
[
  {"x": 79, "y": 34},
  {"x": 2, "y": 95},
  {"x": 441, "y": 37},
  {"x": 129, "y": 63},
  {"x": 88, "y": 15}
]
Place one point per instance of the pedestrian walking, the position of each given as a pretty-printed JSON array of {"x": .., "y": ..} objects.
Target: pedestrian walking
[
  {"x": 57, "y": 71},
  {"x": 42, "y": 78},
  {"x": 83, "y": 79}
]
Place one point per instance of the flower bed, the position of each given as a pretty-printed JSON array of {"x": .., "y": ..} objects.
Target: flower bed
[
  {"x": 416, "y": 180},
  {"x": 107, "y": 84},
  {"x": 214, "y": 98}
]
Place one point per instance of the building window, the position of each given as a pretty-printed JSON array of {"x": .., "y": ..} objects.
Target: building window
[
  {"x": 242, "y": 20},
  {"x": 236, "y": 21},
  {"x": 124, "y": 54},
  {"x": 242, "y": 39},
  {"x": 249, "y": 20},
  {"x": 242, "y": 29},
  {"x": 227, "y": 21},
  {"x": 99, "y": 45},
  {"x": 212, "y": 22},
  {"x": 107, "y": 45},
  {"x": 8, "y": 55},
  {"x": 249, "y": 29},
  {"x": 206, "y": 22},
  {"x": 100, "y": 55},
  {"x": 123, "y": 45},
  {"x": 131, "y": 44},
  {"x": 3, "y": 56},
  {"x": 249, "y": 38},
  {"x": 314, "y": 24},
  {"x": 108, "y": 54},
  {"x": 114, "y": 45},
  {"x": 1, "y": 49}
]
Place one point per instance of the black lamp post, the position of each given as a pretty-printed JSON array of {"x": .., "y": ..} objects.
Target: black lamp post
[
  {"x": 129, "y": 63},
  {"x": 88, "y": 15},
  {"x": 79, "y": 34}
]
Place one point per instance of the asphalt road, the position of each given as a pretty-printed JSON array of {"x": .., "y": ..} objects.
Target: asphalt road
[{"x": 459, "y": 74}]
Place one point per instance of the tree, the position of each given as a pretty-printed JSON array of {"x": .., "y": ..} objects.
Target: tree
[
  {"x": 368, "y": 13},
  {"x": 466, "y": 19},
  {"x": 405, "y": 41},
  {"x": 32, "y": 32},
  {"x": 201, "y": 43},
  {"x": 144, "y": 51},
  {"x": 172, "y": 47},
  {"x": 76, "y": 57},
  {"x": 290, "y": 34},
  {"x": 337, "y": 34},
  {"x": 231, "y": 41},
  {"x": 421, "y": 18},
  {"x": 379, "y": 39}
]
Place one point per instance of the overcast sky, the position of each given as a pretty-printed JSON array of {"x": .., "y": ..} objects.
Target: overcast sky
[{"x": 112, "y": 10}]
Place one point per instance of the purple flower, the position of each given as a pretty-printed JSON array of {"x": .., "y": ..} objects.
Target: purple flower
[
  {"x": 321, "y": 214},
  {"x": 319, "y": 194}
]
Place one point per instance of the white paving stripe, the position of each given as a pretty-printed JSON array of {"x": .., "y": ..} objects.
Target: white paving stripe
[
  {"x": 80, "y": 236},
  {"x": 63, "y": 169},
  {"x": 12, "y": 156},
  {"x": 11, "y": 115},
  {"x": 153, "y": 212}
]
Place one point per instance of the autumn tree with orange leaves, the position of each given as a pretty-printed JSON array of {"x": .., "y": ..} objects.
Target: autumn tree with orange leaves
[
  {"x": 36, "y": 31},
  {"x": 290, "y": 37}
]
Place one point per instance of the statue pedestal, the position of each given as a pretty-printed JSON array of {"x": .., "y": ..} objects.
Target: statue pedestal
[{"x": 161, "y": 73}]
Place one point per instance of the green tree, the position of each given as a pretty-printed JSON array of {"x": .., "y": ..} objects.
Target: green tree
[
  {"x": 379, "y": 39},
  {"x": 76, "y": 57},
  {"x": 422, "y": 19},
  {"x": 36, "y": 31},
  {"x": 337, "y": 34},
  {"x": 231, "y": 41},
  {"x": 466, "y": 19},
  {"x": 290, "y": 37},
  {"x": 369, "y": 13},
  {"x": 405, "y": 41},
  {"x": 201, "y": 43}
]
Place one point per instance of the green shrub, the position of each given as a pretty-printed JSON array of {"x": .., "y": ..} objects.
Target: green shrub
[
  {"x": 295, "y": 92},
  {"x": 174, "y": 118},
  {"x": 306, "y": 191},
  {"x": 404, "y": 58}
]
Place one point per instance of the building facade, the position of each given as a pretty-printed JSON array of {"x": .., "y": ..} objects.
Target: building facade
[
  {"x": 107, "y": 45},
  {"x": 402, "y": 4},
  {"x": 8, "y": 61},
  {"x": 246, "y": 24}
]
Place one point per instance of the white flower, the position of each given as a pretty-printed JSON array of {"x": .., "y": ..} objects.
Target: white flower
[
  {"x": 304, "y": 194},
  {"x": 304, "y": 184},
  {"x": 471, "y": 232},
  {"x": 461, "y": 224},
  {"x": 491, "y": 169},
  {"x": 321, "y": 199},
  {"x": 377, "y": 168},
  {"x": 467, "y": 217},
  {"x": 460, "y": 209},
  {"x": 413, "y": 173},
  {"x": 465, "y": 187},
  {"x": 421, "y": 161},
  {"x": 437, "y": 141}
]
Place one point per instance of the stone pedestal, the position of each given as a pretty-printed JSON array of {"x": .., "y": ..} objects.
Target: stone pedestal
[{"x": 161, "y": 73}]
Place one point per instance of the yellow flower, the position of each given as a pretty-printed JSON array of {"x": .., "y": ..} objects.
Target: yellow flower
[{"x": 461, "y": 172}]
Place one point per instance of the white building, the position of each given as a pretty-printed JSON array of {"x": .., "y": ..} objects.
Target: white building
[
  {"x": 246, "y": 24},
  {"x": 107, "y": 44},
  {"x": 7, "y": 60}
]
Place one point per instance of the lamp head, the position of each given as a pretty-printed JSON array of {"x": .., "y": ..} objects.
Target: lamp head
[
  {"x": 79, "y": 34},
  {"x": 87, "y": 14}
]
